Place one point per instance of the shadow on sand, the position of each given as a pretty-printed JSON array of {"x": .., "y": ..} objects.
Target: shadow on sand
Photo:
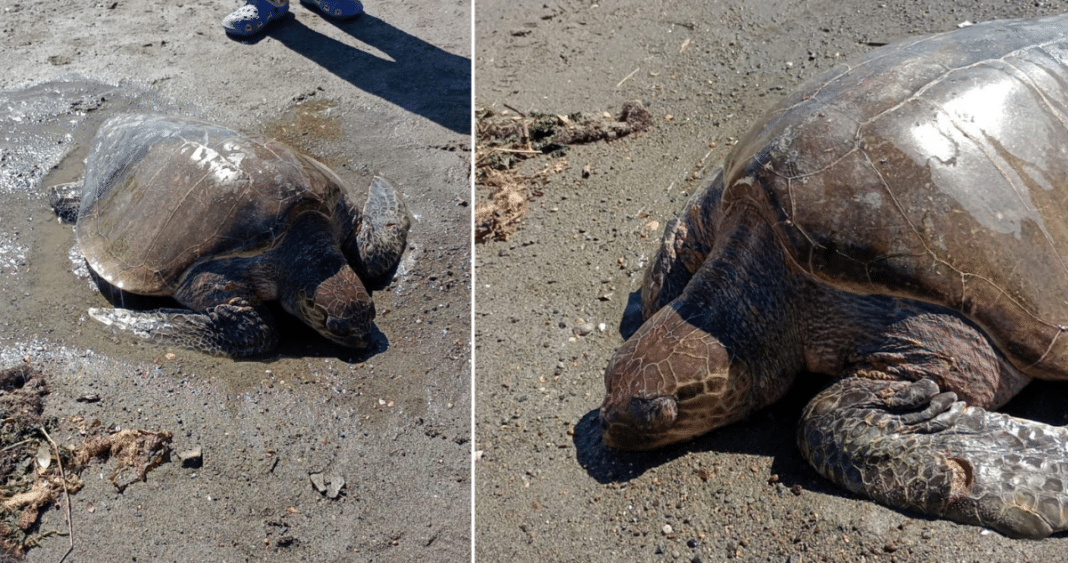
[{"x": 421, "y": 78}]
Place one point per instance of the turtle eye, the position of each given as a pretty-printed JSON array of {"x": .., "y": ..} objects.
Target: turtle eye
[
  {"x": 340, "y": 327},
  {"x": 347, "y": 332},
  {"x": 313, "y": 314}
]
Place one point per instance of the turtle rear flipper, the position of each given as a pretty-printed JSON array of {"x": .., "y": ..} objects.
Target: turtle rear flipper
[
  {"x": 907, "y": 445},
  {"x": 65, "y": 200},
  {"x": 234, "y": 329}
]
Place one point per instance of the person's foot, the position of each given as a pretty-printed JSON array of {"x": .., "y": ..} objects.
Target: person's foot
[
  {"x": 341, "y": 9},
  {"x": 251, "y": 18}
]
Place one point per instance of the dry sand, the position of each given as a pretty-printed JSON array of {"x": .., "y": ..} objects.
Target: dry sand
[{"x": 546, "y": 488}]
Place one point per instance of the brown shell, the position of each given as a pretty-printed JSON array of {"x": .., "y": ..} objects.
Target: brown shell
[
  {"x": 935, "y": 169},
  {"x": 161, "y": 194}
]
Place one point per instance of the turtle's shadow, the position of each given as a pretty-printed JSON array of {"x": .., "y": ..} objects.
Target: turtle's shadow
[
  {"x": 421, "y": 78},
  {"x": 295, "y": 339},
  {"x": 632, "y": 315},
  {"x": 298, "y": 340},
  {"x": 770, "y": 432}
]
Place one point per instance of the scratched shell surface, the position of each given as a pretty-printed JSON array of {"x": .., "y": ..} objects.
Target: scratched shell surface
[
  {"x": 161, "y": 194},
  {"x": 934, "y": 169}
]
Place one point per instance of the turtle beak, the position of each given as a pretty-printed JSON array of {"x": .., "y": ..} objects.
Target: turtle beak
[
  {"x": 641, "y": 424},
  {"x": 352, "y": 335},
  {"x": 356, "y": 342}
]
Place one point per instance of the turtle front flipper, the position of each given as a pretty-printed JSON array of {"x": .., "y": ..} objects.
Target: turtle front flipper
[
  {"x": 234, "y": 329},
  {"x": 907, "y": 445},
  {"x": 383, "y": 232},
  {"x": 65, "y": 200},
  {"x": 686, "y": 242}
]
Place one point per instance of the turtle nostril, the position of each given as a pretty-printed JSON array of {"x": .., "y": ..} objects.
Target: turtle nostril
[
  {"x": 602, "y": 419},
  {"x": 654, "y": 414}
]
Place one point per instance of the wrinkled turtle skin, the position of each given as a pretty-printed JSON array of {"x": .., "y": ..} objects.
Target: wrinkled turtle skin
[
  {"x": 900, "y": 223},
  {"x": 225, "y": 222}
]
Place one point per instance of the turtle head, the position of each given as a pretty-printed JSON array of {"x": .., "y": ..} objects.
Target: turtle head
[
  {"x": 670, "y": 382},
  {"x": 339, "y": 308}
]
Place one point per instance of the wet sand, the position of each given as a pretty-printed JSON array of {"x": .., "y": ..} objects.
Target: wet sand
[{"x": 387, "y": 93}]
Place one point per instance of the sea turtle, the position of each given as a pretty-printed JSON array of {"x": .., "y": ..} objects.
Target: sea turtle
[
  {"x": 900, "y": 223},
  {"x": 224, "y": 222}
]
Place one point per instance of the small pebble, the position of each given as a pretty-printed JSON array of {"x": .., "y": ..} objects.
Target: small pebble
[
  {"x": 192, "y": 458},
  {"x": 327, "y": 484},
  {"x": 583, "y": 329},
  {"x": 667, "y": 529}
]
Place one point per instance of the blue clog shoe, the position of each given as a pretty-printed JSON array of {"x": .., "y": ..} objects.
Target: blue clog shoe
[
  {"x": 251, "y": 18},
  {"x": 340, "y": 9}
]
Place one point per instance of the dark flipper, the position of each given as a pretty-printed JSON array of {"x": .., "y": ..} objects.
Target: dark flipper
[
  {"x": 383, "y": 232},
  {"x": 234, "y": 329},
  {"x": 905, "y": 444},
  {"x": 65, "y": 200},
  {"x": 686, "y": 242}
]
